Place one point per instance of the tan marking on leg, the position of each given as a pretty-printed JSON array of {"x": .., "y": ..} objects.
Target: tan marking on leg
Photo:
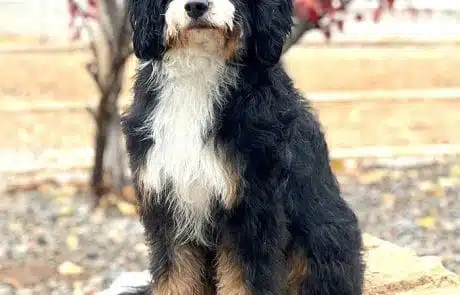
[
  {"x": 230, "y": 279},
  {"x": 185, "y": 276},
  {"x": 298, "y": 271}
]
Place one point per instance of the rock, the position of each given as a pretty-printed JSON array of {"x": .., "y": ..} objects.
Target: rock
[
  {"x": 443, "y": 291},
  {"x": 393, "y": 270},
  {"x": 390, "y": 270}
]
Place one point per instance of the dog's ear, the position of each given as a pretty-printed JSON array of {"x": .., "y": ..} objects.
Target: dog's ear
[
  {"x": 272, "y": 23},
  {"x": 147, "y": 21}
]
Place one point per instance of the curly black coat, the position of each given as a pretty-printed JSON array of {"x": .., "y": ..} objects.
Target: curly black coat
[{"x": 289, "y": 231}]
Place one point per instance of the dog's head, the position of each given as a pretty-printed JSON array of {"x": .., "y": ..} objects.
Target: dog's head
[{"x": 248, "y": 28}]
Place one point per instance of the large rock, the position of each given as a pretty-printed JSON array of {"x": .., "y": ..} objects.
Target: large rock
[
  {"x": 390, "y": 270},
  {"x": 395, "y": 270}
]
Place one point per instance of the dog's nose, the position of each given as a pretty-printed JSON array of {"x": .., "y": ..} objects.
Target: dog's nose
[{"x": 196, "y": 8}]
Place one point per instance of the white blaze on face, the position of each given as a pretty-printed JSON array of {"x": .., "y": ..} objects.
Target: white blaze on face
[{"x": 220, "y": 14}]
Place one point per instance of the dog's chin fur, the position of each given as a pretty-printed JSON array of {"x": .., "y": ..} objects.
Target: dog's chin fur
[
  {"x": 230, "y": 164},
  {"x": 219, "y": 42}
]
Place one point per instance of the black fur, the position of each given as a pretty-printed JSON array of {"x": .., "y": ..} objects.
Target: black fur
[
  {"x": 290, "y": 199},
  {"x": 147, "y": 21}
]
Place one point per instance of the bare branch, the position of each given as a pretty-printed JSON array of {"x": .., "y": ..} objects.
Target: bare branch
[{"x": 92, "y": 113}]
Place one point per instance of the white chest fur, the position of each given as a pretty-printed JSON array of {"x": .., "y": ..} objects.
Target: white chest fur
[{"x": 189, "y": 89}]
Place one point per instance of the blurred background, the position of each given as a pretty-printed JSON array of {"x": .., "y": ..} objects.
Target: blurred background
[{"x": 383, "y": 75}]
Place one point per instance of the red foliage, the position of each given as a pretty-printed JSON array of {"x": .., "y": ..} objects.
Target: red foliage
[
  {"x": 314, "y": 11},
  {"x": 76, "y": 12}
]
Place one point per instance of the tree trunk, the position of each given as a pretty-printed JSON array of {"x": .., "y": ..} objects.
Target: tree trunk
[
  {"x": 301, "y": 27},
  {"x": 110, "y": 173},
  {"x": 111, "y": 48}
]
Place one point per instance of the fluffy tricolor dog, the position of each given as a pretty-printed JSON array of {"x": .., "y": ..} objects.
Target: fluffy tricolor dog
[{"x": 230, "y": 164}]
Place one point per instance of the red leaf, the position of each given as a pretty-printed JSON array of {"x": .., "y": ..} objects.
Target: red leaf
[{"x": 377, "y": 15}]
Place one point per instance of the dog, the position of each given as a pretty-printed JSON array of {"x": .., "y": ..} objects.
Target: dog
[{"x": 230, "y": 163}]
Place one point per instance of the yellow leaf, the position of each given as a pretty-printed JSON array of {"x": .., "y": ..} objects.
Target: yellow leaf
[
  {"x": 427, "y": 222},
  {"x": 66, "y": 211},
  {"x": 396, "y": 174},
  {"x": 371, "y": 176},
  {"x": 69, "y": 268},
  {"x": 455, "y": 171},
  {"x": 66, "y": 191},
  {"x": 388, "y": 200},
  {"x": 447, "y": 182},
  {"x": 126, "y": 208},
  {"x": 344, "y": 165},
  {"x": 337, "y": 165},
  {"x": 426, "y": 186},
  {"x": 432, "y": 189},
  {"x": 72, "y": 242}
]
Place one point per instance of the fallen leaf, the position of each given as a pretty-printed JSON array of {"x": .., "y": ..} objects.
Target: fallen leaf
[
  {"x": 126, "y": 208},
  {"x": 12, "y": 282},
  {"x": 72, "y": 241},
  {"x": 344, "y": 165},
  {"x": 388, "y": 200},
  {"x": 455, "y": 171},
  {"x": 69, "y": 268},
  {"x": 337, "y": 165},
  {"x": 141, "y": 248},
  {"x": 66, "y": 191},
  {"x": 371, "y": 176},
  {"x": 396, "y": 174},
  {"x": 447, "y": 182},
  {"x": 66, "y": 211},
  {"x": 432, "y": 189},
  {"x": 427, "y": 222}
]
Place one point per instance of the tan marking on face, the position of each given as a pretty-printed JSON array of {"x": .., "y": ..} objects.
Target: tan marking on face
[
  {"x": 230, "y": 279},
  {"x": 298, "y": 271},
  {"x": 208, "y": 40},
  {"x": 185, "y": 276}
]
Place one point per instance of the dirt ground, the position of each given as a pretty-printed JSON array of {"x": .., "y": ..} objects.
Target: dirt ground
[{"x": 33, "y": 78}]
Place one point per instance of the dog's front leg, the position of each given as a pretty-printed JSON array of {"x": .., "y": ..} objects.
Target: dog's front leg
[
  {"x": 183, "y": 269},
  {"x": 177, "y": 268},
  {"x": 250, "y": 259}
]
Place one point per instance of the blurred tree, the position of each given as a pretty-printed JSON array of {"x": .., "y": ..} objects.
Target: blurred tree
[{"x": 107, "y": 23}]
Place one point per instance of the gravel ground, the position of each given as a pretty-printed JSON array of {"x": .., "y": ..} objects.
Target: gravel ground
[{"x": 53, "y": 244}]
